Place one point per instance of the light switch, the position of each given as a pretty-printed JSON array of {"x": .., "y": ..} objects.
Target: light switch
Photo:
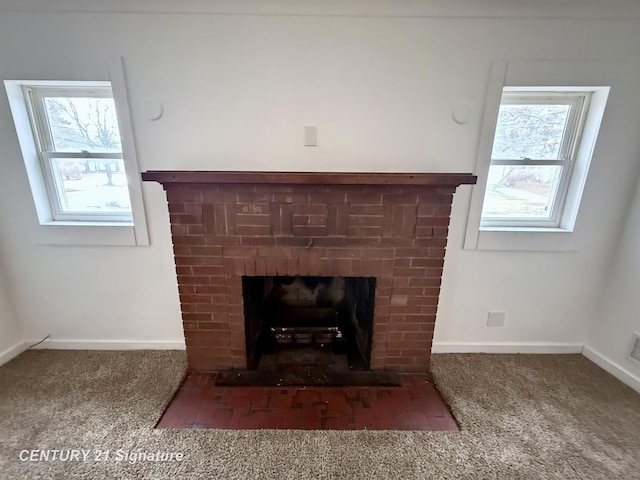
[{"x": 310, "y": 136}]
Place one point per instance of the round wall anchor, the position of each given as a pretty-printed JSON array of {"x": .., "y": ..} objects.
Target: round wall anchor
[
  {"x": 152, "y": 109},
  {"x": 462, "y": 111}
]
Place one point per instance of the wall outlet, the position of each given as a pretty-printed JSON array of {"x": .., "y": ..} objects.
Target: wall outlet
[{"x": 495, "y": 319}]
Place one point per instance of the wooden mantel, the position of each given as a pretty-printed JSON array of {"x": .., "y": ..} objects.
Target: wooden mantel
[{"x": 309, "y": 178}]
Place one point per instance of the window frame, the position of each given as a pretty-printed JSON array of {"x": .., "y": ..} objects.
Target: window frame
[
  {"x": 34, "y": 96},
  {"x": 46, "y": 230},
  {"x": 599, "y": 78},
  {"x": 579, "y": 101}
]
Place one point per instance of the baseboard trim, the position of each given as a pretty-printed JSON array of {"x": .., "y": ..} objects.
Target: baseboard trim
[
  {"x": 12, "y": 352},
  {"x": 478, "y": 347},
  {"x": 617, "y": 371},
  {"x": 107, "y": 345},
  {"x": 614, "y": 369}
]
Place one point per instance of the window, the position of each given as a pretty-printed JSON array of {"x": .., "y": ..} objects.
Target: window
[
  {"x": 80, "y": 159},
  {"x": 538, "y": 137},
  {"x": 78, "y": 143},
  {"x": 535, "y": 148}
]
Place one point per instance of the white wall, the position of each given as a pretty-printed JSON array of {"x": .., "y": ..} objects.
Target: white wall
[
  {"x": 619, "y": 314},
  {"x": 237, "y": 91},
  {"x": 11, "y": 341}
]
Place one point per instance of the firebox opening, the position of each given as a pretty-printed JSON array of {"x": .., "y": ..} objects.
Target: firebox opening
[{"x": 325, "y": 321}]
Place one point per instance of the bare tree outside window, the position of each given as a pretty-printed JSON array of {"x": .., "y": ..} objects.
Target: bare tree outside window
[
  {"x": 523, "y": 178},
  {"x": 85, "y": 125},
  {"x": 76, "y": 125}
]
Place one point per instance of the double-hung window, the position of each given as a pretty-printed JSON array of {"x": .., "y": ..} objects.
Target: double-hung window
[
  {"x": 80, "y": 159},
  {"x": 535, "y": 147},
  {"x": 78, "y": 144}
]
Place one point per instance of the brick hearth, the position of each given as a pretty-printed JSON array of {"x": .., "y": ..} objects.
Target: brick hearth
[{"x": 226, "y": 225}]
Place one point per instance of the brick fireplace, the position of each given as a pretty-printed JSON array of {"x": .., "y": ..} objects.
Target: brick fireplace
[{"x": 227, "y": 226}]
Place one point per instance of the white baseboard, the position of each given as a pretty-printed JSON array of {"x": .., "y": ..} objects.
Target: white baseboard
[
  {"x": 438, "y": 347},
  {"x": 617, "y": 371},
  {"x": 12, "y": 352},
  {"x": 481, "y": 347},
  {"x": 107, "y": 344}
]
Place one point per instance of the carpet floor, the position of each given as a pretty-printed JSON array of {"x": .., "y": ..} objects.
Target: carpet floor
[{"x": 522, "y": 417}]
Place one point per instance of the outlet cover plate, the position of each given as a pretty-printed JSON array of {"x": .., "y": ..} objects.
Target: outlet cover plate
[{"x": 495, "y": 319}]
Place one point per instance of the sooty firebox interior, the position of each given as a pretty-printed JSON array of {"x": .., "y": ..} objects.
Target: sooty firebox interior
[
  {"x": 305, "y": 330},
  {"x": 310, "y": 321}
]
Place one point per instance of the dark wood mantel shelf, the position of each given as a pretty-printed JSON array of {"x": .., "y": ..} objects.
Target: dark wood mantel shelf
[{"x": 308, "y": 178}]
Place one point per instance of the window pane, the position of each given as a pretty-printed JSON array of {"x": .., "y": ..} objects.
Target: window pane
[
  {"x": 530, "y": 131},
  {"x": 91, "y": 186},
  {"x": 525, "y": 192},
  {"x": 83, "y": 123}
]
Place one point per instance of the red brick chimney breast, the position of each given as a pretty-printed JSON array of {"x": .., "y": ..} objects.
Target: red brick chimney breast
[{"x": 226, "y": 225}]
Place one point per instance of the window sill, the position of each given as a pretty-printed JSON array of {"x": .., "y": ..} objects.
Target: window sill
[
  {"x": 70, "y": 223},
  {"x": 525, "y": 239},
  {"x": 91, "y": 233},
  {"x": 526, "y": 229}
]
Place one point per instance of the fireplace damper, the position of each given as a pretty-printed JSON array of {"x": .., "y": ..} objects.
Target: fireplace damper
[{"x": 321, "y": 321}]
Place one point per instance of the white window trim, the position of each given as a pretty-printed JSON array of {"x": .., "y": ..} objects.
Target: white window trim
[
  {"x": 534, "y": 238},
  {"x": 52, "y": 232}
]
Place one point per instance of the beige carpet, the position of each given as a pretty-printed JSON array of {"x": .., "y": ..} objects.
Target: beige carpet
[{"x": 523, "y": 416}]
